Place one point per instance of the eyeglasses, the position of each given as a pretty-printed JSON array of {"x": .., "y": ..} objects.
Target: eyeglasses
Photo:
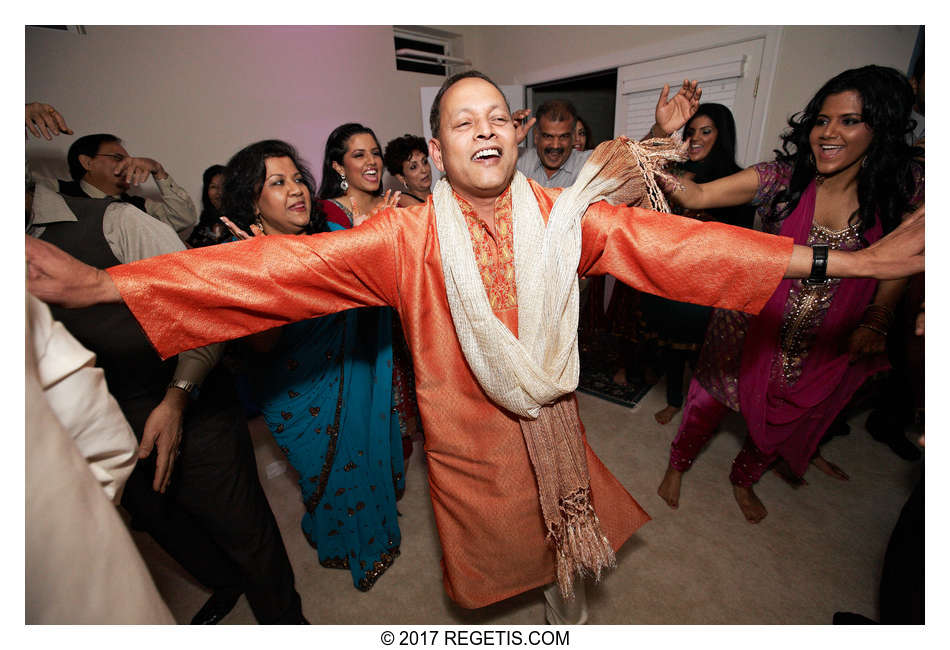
[{"x": 115, "y": 156}]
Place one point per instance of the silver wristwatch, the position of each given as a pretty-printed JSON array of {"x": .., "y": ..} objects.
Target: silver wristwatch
[{"x": 189, "y": 387}]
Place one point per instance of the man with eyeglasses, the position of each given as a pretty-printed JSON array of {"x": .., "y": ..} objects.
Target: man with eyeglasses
[{"x": 100, "y": 167}]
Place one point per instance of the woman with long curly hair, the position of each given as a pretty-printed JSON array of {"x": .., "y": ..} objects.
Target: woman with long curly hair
[
  {"x": 324, "y": 385},
  {"x": 845, "y": 177}
]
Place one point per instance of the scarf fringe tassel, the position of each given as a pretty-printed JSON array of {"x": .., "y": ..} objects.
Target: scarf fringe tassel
[{"x": 580, "y": 546}]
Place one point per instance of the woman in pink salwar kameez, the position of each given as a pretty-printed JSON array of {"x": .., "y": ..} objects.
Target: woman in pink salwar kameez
[{"x": 845, "y": 177}]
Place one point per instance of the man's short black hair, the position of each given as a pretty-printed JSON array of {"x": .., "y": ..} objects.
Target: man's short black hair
[
  {"x": 88, "y": 145},
  {"x": 435, "y": 113},
  {"x": 556, "y": 110}
]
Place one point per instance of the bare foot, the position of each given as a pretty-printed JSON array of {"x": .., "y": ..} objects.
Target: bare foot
[
  {"x": 669, "y": 489},
  {"x": 829, "y": 468},
  {"x": 620, "y": 378},
  {"x": 749, "y": 504},
  {"x": 665, "y": 415},
  {"x": 784, "y": 470}
]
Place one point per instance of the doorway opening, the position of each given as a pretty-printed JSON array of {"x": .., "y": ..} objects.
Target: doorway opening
[{"x": 594, "y": 96}]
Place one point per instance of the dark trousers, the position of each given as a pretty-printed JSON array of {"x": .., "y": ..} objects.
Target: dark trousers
[
  {"x": 674, "y": 367},
  {"x": 214, "y": 519},
  {"x": 902, "y": 579},
  {"x": 903, "y": 391}
]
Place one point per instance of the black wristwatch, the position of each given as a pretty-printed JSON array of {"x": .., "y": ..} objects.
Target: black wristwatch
[{"x": 819, "y": 265}]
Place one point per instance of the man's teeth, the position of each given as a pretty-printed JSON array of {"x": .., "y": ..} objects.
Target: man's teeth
[{"x": 485, "y": 153}]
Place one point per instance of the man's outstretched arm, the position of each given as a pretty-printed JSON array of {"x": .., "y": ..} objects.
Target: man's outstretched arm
[
  {"x": 725, "y": 266},
  {"x": 218, "y": 293},
  {"x": 898, "y": 255},
  {"x": 58, "y": 278}
]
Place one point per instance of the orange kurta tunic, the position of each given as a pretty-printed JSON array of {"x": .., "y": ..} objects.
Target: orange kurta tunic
[{"x": 482, "y": 485}]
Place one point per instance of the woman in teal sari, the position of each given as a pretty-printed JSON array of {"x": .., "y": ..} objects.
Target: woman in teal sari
[{"x": 324, "y": 385}]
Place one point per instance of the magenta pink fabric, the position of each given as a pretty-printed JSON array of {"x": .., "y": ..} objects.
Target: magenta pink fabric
[
  {"x": 791, "y": 419},
  {"x": 701, "y": 416}
]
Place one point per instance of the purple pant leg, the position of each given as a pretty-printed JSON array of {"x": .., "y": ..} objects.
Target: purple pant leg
[
  {"x": 749, "y": 464},
  {"x": 701, "y": 415}
]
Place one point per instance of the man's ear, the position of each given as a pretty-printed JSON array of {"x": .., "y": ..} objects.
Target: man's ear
[
  {"x": 435, "y": 153},
  {"x": 85, "y": 161},
  {"x": 537, "y": 134}
]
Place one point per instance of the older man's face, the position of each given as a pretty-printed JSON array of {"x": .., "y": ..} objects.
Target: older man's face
[
  {"x": 100, "y": 168},
  {"x": 476, "y": 147},
  {"x": 554, "y": 141}
]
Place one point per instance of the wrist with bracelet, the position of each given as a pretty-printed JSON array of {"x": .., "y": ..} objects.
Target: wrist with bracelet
[
  {"x": 191, "y": 388},
  {"x": 877, "y": 318},
  {"x": 654, "y": 134}
]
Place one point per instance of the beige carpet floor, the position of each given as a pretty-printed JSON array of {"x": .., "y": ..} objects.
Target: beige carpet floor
[{"x": 819, "y": 550}]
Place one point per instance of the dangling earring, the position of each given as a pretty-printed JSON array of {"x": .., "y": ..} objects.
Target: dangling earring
[
  {"x": 819, "y": 178},
  {"x": 405, "y": 184},
  {"x": 864, "y": 163},
  {"x": 343, "y": 184}
]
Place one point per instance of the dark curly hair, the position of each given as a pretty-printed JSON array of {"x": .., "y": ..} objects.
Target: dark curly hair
[
  {"x": 244, "y": 177},
  {"x": 886, "y": 182},
  {"x": 399, "y": 151},
  {"x": 336, "y": 147},
  {"x": 721, "y": 160},
  {"x": 209, "y": 213}
]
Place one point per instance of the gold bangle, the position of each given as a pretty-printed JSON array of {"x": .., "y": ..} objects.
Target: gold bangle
[{"x": 873, "y": 329}]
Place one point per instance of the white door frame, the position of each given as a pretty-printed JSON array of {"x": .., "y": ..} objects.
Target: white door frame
[{"x": 714, "y": 37}]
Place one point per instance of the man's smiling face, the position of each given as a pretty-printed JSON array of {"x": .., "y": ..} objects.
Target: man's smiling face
[{"x": 476, "y": 146}]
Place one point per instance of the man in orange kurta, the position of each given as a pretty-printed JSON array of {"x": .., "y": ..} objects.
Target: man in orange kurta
[
  {"x": 483, "y": 489},
  {"x": 482, "y": 486}
]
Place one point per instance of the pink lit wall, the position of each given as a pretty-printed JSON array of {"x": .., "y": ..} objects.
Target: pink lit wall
[{"x": 192, "y": 96}]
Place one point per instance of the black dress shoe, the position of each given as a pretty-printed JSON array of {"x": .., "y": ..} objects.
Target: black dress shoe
[
  {"x": 849, "y": 618},
  {"x": 892, "y": 435},
  {"x": 217, "y": 607}
]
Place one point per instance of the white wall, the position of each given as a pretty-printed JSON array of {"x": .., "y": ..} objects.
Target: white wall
[
  {"x": 810, "y": 56},
  {"x": 192, "y": 96},
  {"x": 807, "y": 57}
]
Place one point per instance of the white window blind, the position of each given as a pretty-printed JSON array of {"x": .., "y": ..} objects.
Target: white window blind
[
  {"x": 639, "y": 107},
  {"x": 727, "y": 74}
]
